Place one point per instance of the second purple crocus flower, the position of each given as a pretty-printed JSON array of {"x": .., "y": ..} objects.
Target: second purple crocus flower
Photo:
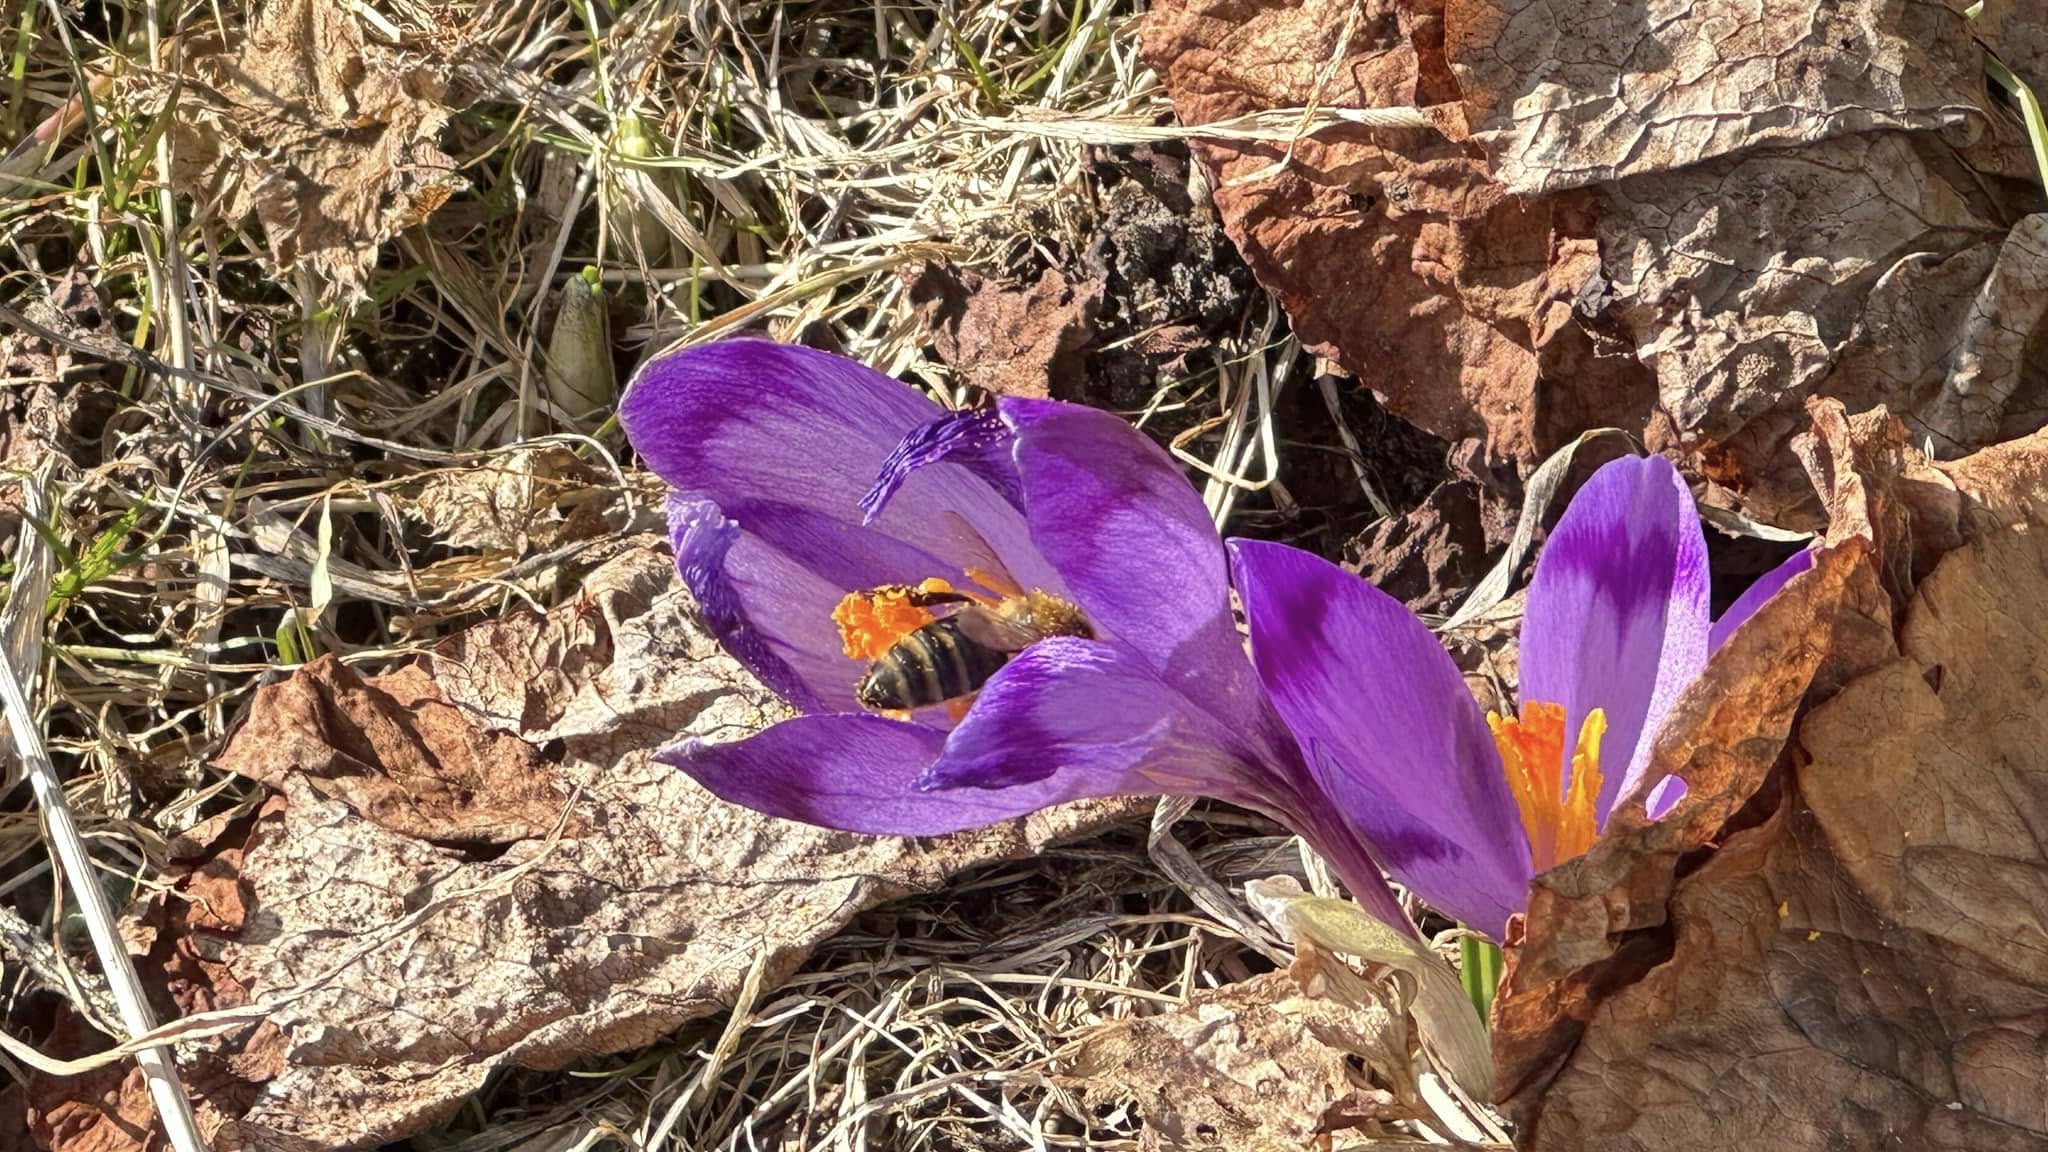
[{"x": 1616, "y": 626}]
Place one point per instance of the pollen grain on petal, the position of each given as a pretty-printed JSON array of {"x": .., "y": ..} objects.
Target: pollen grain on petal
[{"x": 871, "y": 621}]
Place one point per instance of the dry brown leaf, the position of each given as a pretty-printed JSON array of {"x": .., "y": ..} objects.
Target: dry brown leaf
[
  {"x": 397, "y": 753},
  {"x": 1430, "y": 555},
  {"x": 109, "y": 1109},
  {"x": 1267, "y": 1064},
  {"x": 1564, "y": 93},
  {"x": 523, "y": 500},
  {"x": 329, "y": 138},
  {"x": 2014, "y": 33},
  {"x": 1684, "y": 226},
  {"x": 1005, "y": 340},
  {"x": 1393, "y": 251},
  {"x": 1860, "y": 962},
  {"x": 407, "y": 964}
]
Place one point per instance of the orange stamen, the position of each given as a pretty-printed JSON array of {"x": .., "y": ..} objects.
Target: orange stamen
[
  {"x": 1561, "y": 820},
  {"x": 872, "y": 621}
]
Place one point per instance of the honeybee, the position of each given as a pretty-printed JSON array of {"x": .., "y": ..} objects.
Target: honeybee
[{"x": 954, "y": 655}]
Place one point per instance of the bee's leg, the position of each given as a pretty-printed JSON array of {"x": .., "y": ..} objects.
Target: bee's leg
[{"x": 957, "y": 707}]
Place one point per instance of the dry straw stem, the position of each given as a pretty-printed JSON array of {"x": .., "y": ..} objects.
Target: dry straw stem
[{"x": 159, "y": 1064}]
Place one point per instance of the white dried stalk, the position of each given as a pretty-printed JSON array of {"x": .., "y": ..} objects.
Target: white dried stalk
[
  {"x": 1272, "y": 126},
  {"x": 159, "y": 1066}
]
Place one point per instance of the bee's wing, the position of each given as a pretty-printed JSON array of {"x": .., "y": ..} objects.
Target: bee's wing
[{"x": 993, "y": 630}]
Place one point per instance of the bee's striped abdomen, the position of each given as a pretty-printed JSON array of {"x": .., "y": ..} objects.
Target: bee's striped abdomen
[{"x": 930, "y": 666}]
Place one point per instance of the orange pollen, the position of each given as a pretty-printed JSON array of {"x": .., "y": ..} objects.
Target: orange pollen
[
  {"x": 872, "y": 621},
  {"x": 1561, "y": 819}
]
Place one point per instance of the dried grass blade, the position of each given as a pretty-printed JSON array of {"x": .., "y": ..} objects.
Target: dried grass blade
[{"x": 21, "y": 621}]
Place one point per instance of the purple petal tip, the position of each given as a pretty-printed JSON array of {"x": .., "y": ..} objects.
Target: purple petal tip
[{"x": 978, "y": 440}]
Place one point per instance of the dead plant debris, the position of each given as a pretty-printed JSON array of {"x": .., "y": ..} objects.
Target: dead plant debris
[
  {"x": 473, "y": 863},
  {"x": 357, "y": 646},
  {"x": 1685, "y": 227},
  {"x": 330, "y": 139}
]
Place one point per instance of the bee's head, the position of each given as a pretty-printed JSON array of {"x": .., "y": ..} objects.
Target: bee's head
[{"x": 1052, "y": 616}]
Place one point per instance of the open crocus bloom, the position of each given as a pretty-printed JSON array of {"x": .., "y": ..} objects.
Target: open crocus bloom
[
  {"x": 819, "y": 508},
  {"x": 1462, "y": 808}
]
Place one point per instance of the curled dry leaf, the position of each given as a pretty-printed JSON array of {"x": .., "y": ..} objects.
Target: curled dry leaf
[
  {"x": 396, "y": 752},
  {"x": 1685, "y": 226},
  {"x": 329, "y": 138},
  {"x": 1859, "y": 961},
  {"x": 1264, "y": 1065},
  {"x": 472, "y": 863}
]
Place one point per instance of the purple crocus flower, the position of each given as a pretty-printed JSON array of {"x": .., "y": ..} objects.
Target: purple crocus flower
[
  {"x": 1462, "y": 808},
  {"x": 821, "y": 512}
]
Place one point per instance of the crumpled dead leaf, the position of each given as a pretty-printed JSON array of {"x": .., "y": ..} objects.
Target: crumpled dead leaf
[
  {"x": 1431, "y": 554},
  {"x": 399, "y": 754},
  {"x": 524, "y": 499},
  {"x": 473, "y": 862},
  {"x": 1012, "y": 341},
  {"x": 1684, "y": 226},
  {"x": 1271, "y": 1063},
  {"x": 177, "y": 940},
  {"x": 330, "y": 138},
  {"x": 1858, "y": 960}
]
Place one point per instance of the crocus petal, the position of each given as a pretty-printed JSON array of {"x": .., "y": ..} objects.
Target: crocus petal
[
  {"x": 768, "y": 430},
  {"x": 1097, "y": 717},
  {"x": 1664, "y": 796},
  {"x": 1754, "y": 596},
  {"x": 1085, "y": 718},
  {"x": 1137, "y": 549},
  {"x": 977, "y": 440},
  {"x": 849, "y": 771},
  {"x": 773, "y": 611},
  {"x": 1617, "y": 615},
  {"x": 1389, "y": 729},
  {"x": 704, "y": 543}
]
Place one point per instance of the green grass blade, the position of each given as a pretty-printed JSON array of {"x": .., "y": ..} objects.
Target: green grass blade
[
  {"x": 1479, "y": 969},
  {"x": 2030, "y": 111}
]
